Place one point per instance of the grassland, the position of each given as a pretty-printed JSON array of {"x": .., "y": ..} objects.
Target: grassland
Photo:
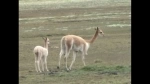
[{"x": 109, "y": 58}]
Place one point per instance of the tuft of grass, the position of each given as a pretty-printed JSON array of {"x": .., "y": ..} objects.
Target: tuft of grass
[
  {"x": 98, "y": 61},
  {"x": 107, "y": 70}
]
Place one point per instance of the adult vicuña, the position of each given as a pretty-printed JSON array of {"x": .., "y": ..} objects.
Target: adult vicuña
[
  {"x": 41, "y": 54},
  {"x": 77, "y": 44}
]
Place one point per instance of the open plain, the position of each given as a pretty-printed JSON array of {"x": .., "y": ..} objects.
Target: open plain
[{"x": 109, "y": 57}]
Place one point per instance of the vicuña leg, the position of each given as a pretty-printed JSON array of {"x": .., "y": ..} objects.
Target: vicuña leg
[
  {"x": 60, "y": 55},
  {"x": 46, "y": 63},
  {"x": 83, "y": 59},
  {"x": 42, "y": 63},
  {"x": 66, "y": 56},
  {"x": 73, "y": 60},
  {"x": 36, "y": 64}
]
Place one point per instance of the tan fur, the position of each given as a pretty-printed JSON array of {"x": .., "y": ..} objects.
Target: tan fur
[{"x": 77, "y": 44}]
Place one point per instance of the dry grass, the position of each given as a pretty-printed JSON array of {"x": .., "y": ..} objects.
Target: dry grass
[{"x": 109, "y": 58}]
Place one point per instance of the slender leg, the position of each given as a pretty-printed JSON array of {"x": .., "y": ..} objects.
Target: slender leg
[
  {"x": 38, "y": 62},
  {"x": 60, "y": 55},
  {"x": 42, "y": 63},
  {"x": 66, "y": 56},
  {"x": 73, "y": 60},
  {"x": 36, "y": 66},
  {"x": 46, "y": 63}
]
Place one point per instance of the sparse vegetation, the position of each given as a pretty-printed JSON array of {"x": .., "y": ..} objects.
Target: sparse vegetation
[
  {"x": 108, "y": 70},
  {"x": 109, "y": 58}
]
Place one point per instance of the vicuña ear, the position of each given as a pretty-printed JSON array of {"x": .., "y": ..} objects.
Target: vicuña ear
[
  {"x": 46, "y": 38},
  {"x": 97, "y": 27}
]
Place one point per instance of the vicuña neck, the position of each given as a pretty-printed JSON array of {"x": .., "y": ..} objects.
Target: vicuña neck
[
  {"x": 93, "y": 38},
  {"x": 45, "y": 45}
]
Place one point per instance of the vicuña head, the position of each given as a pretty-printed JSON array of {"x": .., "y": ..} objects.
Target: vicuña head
[
  {"x": 46, "y": 42},
  {"x": 41, "y": 54},
  {"x": 77, "y": 44},
  {"x": 98, "y": 32}
]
